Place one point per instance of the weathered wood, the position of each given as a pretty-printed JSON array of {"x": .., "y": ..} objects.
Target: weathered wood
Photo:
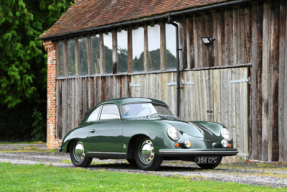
[
  {"x": 219, "y": 39},
  {"x": 271, "y": 12},
  {"x": 182, "y": 43},
  {"x": 130, "y": 51},
  {"x": 115, "y": 51},
  {"x": 216, "y": 96},
  {"x": 162, "y": 46},
  {"x": 284, "y": 143},
  {"x": 102, "y": 54},
  {"x": 235, "y": 36},
  {"x": 247, "y": 35},
  {"x": 275, "y": 86},
  {"x": 265, "y": 79},
  {"x": 146, "y": 66},
  {"x": 89, "y": 55},
  {"x": 282, "y": 36},
  {"x": 190, "y": 43},
  {"x": 215, "y": 43},
  {"x": 195, "y": 41},
  {"x": 66, "y": 66},
  {"x": 230, "y": 38},
  {"x": 256, "y": 104}
]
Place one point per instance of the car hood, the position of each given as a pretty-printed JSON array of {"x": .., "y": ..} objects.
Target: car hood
[{"x": 188, "y": 128}]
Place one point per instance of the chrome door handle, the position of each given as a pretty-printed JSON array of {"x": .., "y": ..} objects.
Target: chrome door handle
[{"x": 92, "y": 130}]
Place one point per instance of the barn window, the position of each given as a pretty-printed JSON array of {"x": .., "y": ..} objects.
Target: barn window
[
  {"x": 154, "y": 47},
  {"x": 83, "y": 56},
  {"x": 138, "y": 49},
  {"x": 60, "y": 59},
  {"x": 95, "y": 54},
  {"x": 71, "y": 57},
  {"x": 122, "y": 43},
  {"x": 170, "y": 40},
  {"x": 108, "y": 52}
]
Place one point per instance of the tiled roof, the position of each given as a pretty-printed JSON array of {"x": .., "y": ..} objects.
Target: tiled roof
[{"x": 93, "y": 13}]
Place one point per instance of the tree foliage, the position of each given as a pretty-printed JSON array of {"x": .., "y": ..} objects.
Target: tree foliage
[
  {"x": 23, "y": 65},
  {"x": 23, "y": 59}
]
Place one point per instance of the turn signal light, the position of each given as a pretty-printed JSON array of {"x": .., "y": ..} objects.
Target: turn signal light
[
  {"x": 229, "y": 145},
  {"x": 176, "y": 144}
]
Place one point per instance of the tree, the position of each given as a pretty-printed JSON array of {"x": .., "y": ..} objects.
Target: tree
[{"x": 23, "y": 60}]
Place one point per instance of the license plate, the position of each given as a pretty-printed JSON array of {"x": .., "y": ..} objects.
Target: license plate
[{"x": 206, "y": 160}]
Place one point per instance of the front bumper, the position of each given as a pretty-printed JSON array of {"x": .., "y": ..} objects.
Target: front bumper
[
  {"x": 196, "y": 152},
  {"x": 60, "y": 149}
]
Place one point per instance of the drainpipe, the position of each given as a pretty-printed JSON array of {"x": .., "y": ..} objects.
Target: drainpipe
[{"x": 177, "y": 67}]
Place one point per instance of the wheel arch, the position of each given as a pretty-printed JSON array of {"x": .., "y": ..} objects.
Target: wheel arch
[{"x": 132, "y": 145}]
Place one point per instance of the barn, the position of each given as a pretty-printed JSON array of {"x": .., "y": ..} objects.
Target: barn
[{"x": 211, "y": 60}]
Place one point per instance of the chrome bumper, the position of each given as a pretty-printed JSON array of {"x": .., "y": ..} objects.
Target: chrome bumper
[
  {"x": 60, "y": 149},
  {"x": 197, "y": 152}
]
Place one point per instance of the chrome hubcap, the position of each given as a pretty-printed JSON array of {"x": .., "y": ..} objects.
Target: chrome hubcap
[
  {"x": 147, "y": 151},
  {"x": 79, "y": 151}
]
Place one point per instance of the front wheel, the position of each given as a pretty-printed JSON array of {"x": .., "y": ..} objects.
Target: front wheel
[
  {"x": 210, "y": 166},
  {"x": 144, "y": 155},
  {"x": 77, "y": 154}
]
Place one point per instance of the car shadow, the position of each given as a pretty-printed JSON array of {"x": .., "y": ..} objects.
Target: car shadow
[{"x": 126, "y": 167}]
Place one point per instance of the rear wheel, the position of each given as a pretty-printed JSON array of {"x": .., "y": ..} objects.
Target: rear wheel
[
  {"x": 210, "y": 166},
  {"x": 144, "y": 155},
  {"x": 77, "y": 154}
]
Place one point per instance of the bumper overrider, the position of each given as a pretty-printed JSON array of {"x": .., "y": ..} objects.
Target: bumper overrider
[
  {"x": 60, "y": 149},
  {"x": 196, "y": 152}
]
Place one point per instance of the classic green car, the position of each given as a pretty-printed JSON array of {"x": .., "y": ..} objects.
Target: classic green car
[{"x": 145, "y": 132}]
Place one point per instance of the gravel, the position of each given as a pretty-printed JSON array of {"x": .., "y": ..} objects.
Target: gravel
[{"x": 271, "y": 175}]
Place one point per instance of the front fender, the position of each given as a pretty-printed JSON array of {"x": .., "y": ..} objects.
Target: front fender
[{"x": 80, "y": 133}]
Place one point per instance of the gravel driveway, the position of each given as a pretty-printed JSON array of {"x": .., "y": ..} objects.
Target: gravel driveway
[{"x": 271, "y": 175}]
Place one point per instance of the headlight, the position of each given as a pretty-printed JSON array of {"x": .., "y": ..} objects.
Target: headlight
[
  {"x": 173, "y": 133},
  {"x": 224, "y": 143},
  {"x": 226, "y": 134},
  {"x": 187, "y": 143}
]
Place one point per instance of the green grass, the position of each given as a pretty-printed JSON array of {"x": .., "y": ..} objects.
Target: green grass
[{"x": 40, "y": 177}]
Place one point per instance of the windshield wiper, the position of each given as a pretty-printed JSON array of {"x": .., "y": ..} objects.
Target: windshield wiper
[{"x": 152, "y": 115}]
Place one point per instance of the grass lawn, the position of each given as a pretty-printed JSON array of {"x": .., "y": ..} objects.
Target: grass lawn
[{"x": 40, "y": 177}]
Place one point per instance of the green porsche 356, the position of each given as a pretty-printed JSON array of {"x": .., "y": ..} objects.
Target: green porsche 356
[{"x": 145, "y": 132}]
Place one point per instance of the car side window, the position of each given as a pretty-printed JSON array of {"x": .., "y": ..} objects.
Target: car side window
[
  {"x": 94, "y": 115},
  {"x": 110, "y": 111}
]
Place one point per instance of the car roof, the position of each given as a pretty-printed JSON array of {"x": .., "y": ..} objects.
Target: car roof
[{"x": 120, "y": 101}]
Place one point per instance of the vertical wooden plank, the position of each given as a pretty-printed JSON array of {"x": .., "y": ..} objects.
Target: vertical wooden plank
[
  {"x": 209, "y": 32},
  {"x": 235, "y": 13},
  {"x": 275, "y": 86},
  {"x": 146, "y": 66},
  {"x": 243, "y": 74},
  {"x": 239, "y": 130},
  {"x": 115, "y": 51},
  {"x": 102, "y": 54},
  {"x": 196, "y": 37},
  {"x": 59, "y": 109},
  {"x": 66, "y": 68},
  {"x": 230, "y": 37},
  {"x": 199, "y": 94},
  {"x": 204, "y": 49},
  {"x": 211, "y": 97},
  {"x": 285, "y": 101},
  {"x": 247, "y": 35},
  {"x": 231, "y": 108},
  {"x": 182, "y": 43},
  {"x": 89, "y": 54},
  {"x": 282, "y": 36},
  {"x": 199, "y": 42},
  {"x": 130, "y": 51},
  {"x": 270, "y": 79},
  {"x": 216, "y": 96},
  {"x": 265, "y": 77},
  {"x": 257, "y": 22},
  {"x": 194, "y": 96},
  {"x": 215, "y": 43},
  {"x": 219, "y": 38},
  {"x": 241, "y": 43},
  {"x": 190, "y": 43},
  {"x": 162, "y": 47},
  {"x": 226, "y": 38}
]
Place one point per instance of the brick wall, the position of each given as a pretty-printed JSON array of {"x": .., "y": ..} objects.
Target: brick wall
[{"x": 52, "y": 142}]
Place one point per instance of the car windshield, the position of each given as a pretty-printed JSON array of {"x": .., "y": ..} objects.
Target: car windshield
[{"x": 145, "y": 110}]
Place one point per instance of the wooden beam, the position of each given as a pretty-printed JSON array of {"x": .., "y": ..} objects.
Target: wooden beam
[
  {"x": 162, "y": 46},
  {"x": 115, "y": 51},
  {"x": 102, "y": 54}
]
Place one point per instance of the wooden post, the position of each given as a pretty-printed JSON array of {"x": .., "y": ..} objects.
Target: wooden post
[
  {"x": 130, "y": 51},
  {"x": 102, "y": 56},
  {"x": 162, "y": 46},
  {"x": 115, "y": 51},
  {"x": 146, "y": 66}
]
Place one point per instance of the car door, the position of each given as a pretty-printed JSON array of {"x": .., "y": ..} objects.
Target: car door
[{"x": 106, "y": 135}]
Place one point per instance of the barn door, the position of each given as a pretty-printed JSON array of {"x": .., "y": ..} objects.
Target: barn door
[{"x": 221, "y": 96}]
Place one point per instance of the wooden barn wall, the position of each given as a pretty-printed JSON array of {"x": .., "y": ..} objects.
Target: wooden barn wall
[
  {"x": 251, "y": 33},
  {"x": 76, "y": 96}
]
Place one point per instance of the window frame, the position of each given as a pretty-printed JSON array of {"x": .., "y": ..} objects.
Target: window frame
[
  {"x": 100, "y": 110},
  {"x": 109, "y": 119}
]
